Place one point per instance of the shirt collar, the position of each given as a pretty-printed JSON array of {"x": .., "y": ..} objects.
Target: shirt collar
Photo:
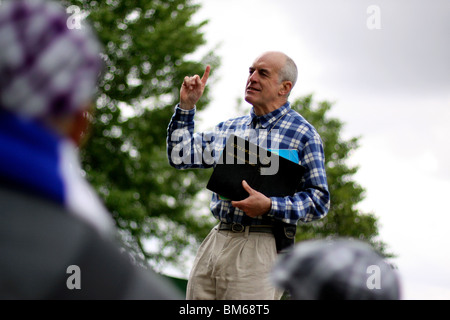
[{"x": 267, "y": 119}]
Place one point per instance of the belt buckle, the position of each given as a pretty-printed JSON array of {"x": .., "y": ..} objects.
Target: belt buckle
[{"x": 237, "y": 227}]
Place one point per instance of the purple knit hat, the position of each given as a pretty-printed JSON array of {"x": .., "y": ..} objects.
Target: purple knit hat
[{"x": 46, "y": 69}]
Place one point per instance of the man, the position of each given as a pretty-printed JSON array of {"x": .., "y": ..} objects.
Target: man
[
  {"x": 57, "y": 240},
  {"x": 235, "y": 259}
]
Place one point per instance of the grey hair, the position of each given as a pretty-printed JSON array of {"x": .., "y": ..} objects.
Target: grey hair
[{"x": 289, "y": 72}]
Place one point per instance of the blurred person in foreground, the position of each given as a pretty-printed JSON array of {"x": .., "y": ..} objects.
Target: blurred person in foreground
[
  {"x": 57, "y": 240},
  {"x": 340, "y": 269}
]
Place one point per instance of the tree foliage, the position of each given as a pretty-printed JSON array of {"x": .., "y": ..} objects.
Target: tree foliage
[
  {"x": 146, "y": 52},
  {"x": 344, "y": 218}
]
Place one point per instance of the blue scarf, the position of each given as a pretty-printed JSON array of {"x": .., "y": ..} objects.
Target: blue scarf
[
  {"x": 35, "y": 159},
  {"x": 29, "y": 157}
]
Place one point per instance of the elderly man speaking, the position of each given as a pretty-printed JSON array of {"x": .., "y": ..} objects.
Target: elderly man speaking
[{"x": 235, "y": 259}]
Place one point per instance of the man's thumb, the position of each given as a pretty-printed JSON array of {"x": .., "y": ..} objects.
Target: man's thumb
[{"x": 247, "y": 187}]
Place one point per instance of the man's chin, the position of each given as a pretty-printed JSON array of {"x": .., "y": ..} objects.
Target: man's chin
[{"x": 249, "y": 99}]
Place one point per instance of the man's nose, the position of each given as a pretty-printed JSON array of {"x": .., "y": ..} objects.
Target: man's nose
[{"x": 253, "y": 77}]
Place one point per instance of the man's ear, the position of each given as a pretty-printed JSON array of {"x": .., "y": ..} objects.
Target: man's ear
[
  {"x": 74, "y": 126},
  {"x": 80, "y": 128},
  {"x": 285, "y": 88}
]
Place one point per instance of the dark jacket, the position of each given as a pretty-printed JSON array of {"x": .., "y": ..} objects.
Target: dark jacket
[{"x": 42, "y": 245}]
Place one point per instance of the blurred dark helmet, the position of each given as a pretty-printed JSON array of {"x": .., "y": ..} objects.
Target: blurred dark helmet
[{"x": 341, "y": 269}]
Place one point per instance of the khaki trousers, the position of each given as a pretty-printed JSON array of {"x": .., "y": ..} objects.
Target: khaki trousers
[{"x": 234, "y": 266}]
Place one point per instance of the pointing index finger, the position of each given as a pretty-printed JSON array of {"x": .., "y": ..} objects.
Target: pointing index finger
[{"x": 206, "y": 75}]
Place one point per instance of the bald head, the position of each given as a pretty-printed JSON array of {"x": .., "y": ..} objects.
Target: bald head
[{"x": 287, "y": 69}]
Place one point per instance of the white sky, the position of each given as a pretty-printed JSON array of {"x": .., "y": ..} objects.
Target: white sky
[{"x": 390, "y": 86}]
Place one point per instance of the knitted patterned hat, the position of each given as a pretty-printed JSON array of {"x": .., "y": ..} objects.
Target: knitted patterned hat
[{"x": 46, "y": 68}]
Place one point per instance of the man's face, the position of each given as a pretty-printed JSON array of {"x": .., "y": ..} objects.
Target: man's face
[{"x": 263, "y": 84}]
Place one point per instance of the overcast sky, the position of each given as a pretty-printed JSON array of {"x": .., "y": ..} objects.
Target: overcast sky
[{"x": 389, "y": 83}]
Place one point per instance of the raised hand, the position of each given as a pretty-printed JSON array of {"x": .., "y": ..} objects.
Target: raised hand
[{"x": 192, "y": 89}]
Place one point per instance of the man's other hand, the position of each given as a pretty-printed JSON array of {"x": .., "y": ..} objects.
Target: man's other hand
[{"x": 255, "y": 205}]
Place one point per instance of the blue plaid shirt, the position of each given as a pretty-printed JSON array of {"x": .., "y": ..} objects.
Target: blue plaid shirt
[{"x": 281, "y": 129}]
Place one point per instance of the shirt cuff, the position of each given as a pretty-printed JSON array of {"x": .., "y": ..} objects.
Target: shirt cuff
[
  {"x": 271, "y": 212},
  {"x": 184, "y": 115},
  {"x": 183, "y": 111}
]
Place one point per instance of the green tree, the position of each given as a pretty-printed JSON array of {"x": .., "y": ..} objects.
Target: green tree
[
  {"x": 146, "y": 52},
  {"x": 344, "y": 218}
]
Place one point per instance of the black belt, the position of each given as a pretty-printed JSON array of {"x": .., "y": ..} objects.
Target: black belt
[{"x": 239, "y": 228}]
